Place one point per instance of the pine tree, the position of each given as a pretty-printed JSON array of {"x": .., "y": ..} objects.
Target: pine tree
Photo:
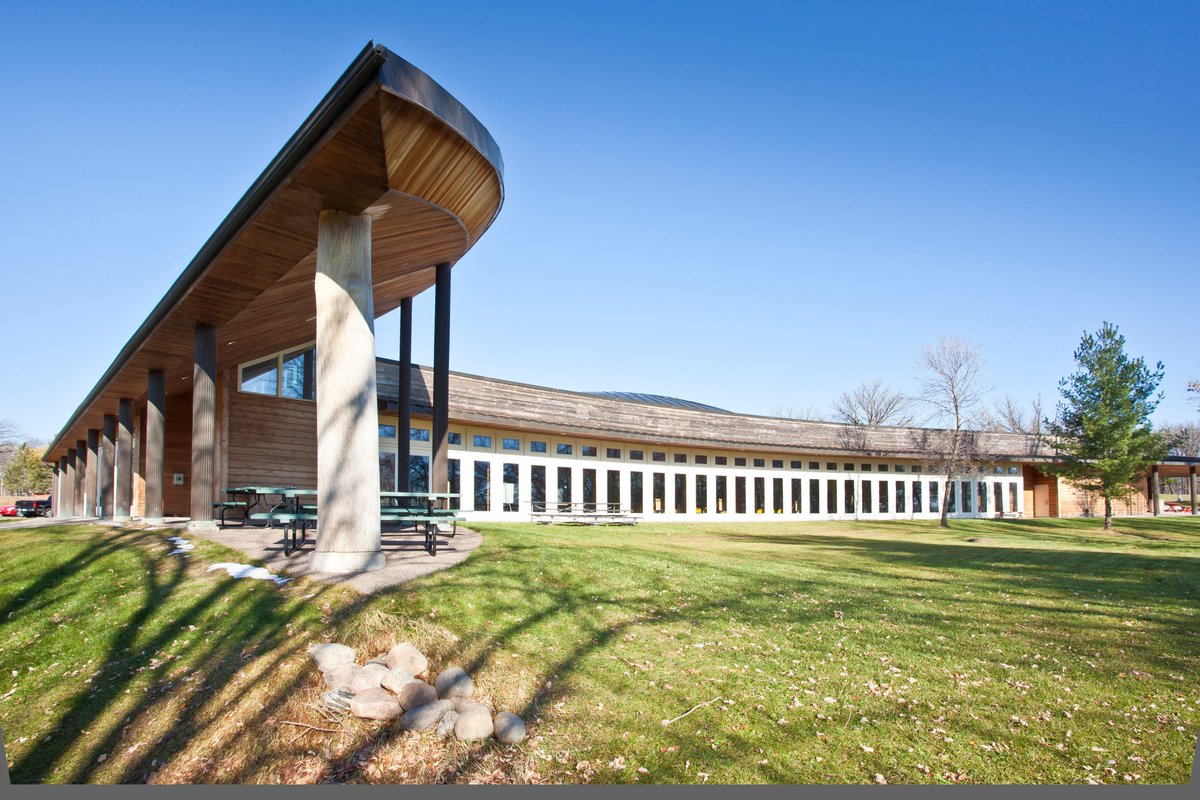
[{"x": 1103, "y": 433}]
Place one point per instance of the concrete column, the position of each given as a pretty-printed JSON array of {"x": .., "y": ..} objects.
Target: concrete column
[
  {"x": 123, "y": 500},
  {"x": 204, "y": 427},
  {"x": 347, "y": 411},
  {"x": 108, "y": 451},
  {"x": 56, "y": 499},
  {"x": 441, "y": 379},
  {"x": 1192, "y": 487},
  {"x": 156, "y": 404},
  {"x": 66, "y": 505},
  {"x": 1154, "y": 490},
  {"x": 87, "y": 466},
  {"x": 403, "y": 443}
]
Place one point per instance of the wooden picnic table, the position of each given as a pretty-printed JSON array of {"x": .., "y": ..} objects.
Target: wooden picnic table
[
  {"x": 1177, "y": 505},
  {"x": 418, "y": 509}
]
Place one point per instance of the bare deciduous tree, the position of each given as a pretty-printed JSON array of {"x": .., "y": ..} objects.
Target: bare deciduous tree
[
  {"x": 810, "y": 412},
  {"x": 873, "y": 403},
  {"x": 951, "y": 374},
  {"x": 1008, "y": 416},
  {"x": 1184, "y": 438}
]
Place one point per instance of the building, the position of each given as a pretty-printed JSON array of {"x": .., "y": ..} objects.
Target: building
[{"x": 259, "y": 367}]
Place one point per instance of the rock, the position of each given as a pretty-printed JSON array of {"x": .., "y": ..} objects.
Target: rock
[
  {"x": 446, "y": 726},
  {"x": 473, "y": 725},
  {"x": 407, "y": 658},
  {"x": 453, "y": 682},
  {"x": 462, "y": 705},
  {"x": 378, "y": 660},
  {"x": 337, "y": 700},
  {"x": 340, "y": 676},
  {"x": 416, "y": 694},
  {"x": 375, "y": 704},
  {"x": 369, "y": 677},
  {"x": 426, "y": 717},
  {"x": 395, "y": 679},
  {"x": 510, "y": 728},
  {"x": 330, "y": 655}
]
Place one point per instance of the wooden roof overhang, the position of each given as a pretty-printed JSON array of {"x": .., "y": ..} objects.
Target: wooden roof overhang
[{"x": 386, "y": 140}]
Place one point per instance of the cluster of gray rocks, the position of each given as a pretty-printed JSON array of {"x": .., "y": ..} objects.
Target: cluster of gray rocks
[{"x": 388, "y": 686}]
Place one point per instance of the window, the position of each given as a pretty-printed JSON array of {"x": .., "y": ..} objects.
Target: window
[
  {"x": 537, "y": 487},
  {"x": 883, "y": 497},
  {"x": 982, "y": 505},
  {"x": 299, "y": 374},
  {"x": 848, "y": 467},
  {"x": 966, "y": 497},
  {"x": 387, "y": 472},
  {"x": 899, "y": 468},
  {"x": 901, "y": 503},
  {"x": 777, "y": 463},
  {"x": 796, "y": 465},
  {"x": 261, "y": 378},
  {"x": 865, "y": 468},
  {"x": 564, "y": 488},
  {"x": 814, "y": 465},
  {"x": 658, "y": 456},
  {"x": 722, "y": 461},
  {"x": 589, "y": 490},
  {"x": 777, "y": 495},
  {"x": 564, "y": 449},
  {"x": 997, "y": 470},
  {"x": 701, "y": 459},
  {"x": 951, "y": 498},
  {"x": 636, "y": 491},
  {"x": 760, "y": 500},
  {"x": 797, "y": 490},
  {"x": 866, "y": 497},
  {"x": 509, "y": 443},
  {"x": 759, "y": 462},
  {"x": 614, "y": 490},
  {"x": 588, "y": 450},
  {"x": 636, "y": 455},
  {"x": 418, "y": 434},
  {"x": 831, "y": 495},
  {"x": 916, "y": 497},
  {"x": 1014, "y": 471},
  {"x": 512, "y": 478},
  {"x": 998, "y": 496},
  {"x": 701, "y": 494},
  {"x": 387, "y": 431},
  {"x": 814, "y": 496},
  {"x": 848, "y": 499},
  {"x": 830, "y": 465},
  {"x": 739, "y": 495},
  {"x": 659, "y": 488},
  {"x": 1012, "y": 496},
  {"x": 933, "y": 497},
  {"x": 613, "y": 452},
  {"x": 418, "y": 473},
  {"x": 722, "y": 494},
  {"x": 681, "y": 458},
  {"x": 883, "y": 467},
  {"x": 537, "y": 447},
  {"x": 454, "y": 438},
  {"x": 454, "y": 481},
  {"x": 479, "y": 440},
  {"x": 739, "y": 462},
  {"x": 681, "y": 494},
  {"x": 917, "y": 468},
  {"x": 483, "y": 479}
]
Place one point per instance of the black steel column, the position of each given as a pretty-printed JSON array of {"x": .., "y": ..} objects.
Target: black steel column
[
  {"x": 204, "y": 423},
  {"x": 403, "y": 443},
  {"x": 439, "y": 468}
]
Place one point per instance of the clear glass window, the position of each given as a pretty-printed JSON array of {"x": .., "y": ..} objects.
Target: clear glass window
[
  {"x": 418, "y": 434},
  {"x": 261, "y": 378},
  {"x": 537, "y": 447},
  {"x": 387, "y": 431},
  {"x": 479, "y": 440},
  {"x": 508, "y": 443},
  {"x": 299, "y": 374}
]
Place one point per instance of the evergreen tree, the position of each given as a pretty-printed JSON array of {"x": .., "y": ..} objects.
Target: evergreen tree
[
  {"x": 27, "y": 473},
  {"x": 1103, "y": 433}
]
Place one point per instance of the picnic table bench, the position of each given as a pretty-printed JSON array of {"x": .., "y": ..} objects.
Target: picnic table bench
[
  {"x": 581, "y": 514},
  {"x": 1177, "y": 505},
  {"x": 1010, "y": 515},
  {"x": 419, "y": 510}
]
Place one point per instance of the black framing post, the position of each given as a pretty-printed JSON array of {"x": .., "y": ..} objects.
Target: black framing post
[
  {"x": 439, "y": 475},
  {"x": 403, "y": 442}
]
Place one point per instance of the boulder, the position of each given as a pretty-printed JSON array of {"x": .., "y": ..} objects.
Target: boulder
[
  {"x": 337, "y": 700},
  {"x": 339, "y": 676},
  {"x": 462, "y": 705},
  {"x": 473, "y": 725},
  {"x": 330, "y": 655},
  {"x": 446, "y": 726},
  {"x": 375, "y": 704},
  {"x": 454, "y": 682},
  {"x": 407, "y": 658},
  {"x": 426, "y": 717},
  {"x": 510, "y": 728},
  {"x": 395, "y": 679},
  {"x": 416, "y": 694},
  {"x": 369, "y": 677},
  {"x": 378, "y": 660}
]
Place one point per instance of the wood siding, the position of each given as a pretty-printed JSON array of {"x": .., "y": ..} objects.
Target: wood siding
[{"x": 272, "y": 441}]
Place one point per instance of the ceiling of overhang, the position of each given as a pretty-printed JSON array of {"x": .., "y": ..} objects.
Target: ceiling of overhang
[{"x": 429, "y": 192}]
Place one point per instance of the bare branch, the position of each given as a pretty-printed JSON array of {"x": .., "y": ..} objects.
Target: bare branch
[{"x": 873, "y": 403}]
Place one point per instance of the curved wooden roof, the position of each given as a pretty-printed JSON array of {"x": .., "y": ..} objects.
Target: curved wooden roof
[{"x": 386, "y": 140}]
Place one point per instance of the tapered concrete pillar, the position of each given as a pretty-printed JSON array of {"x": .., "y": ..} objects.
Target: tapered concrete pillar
[
  {"x": 1192, "y": 487},
  {"x": 85, "y": 495},
  {"x": 108, "y": 452},
  {"x": 1154, "y": 491},
  {"x": 438, "y": 466},
  {"x": 403, "y": 443},
  {"x": 204, "y": 427},
  {"x": 156, "y": 404},
  {"x": 123, "y": 479},
  {"x": 66, "y": 505},
  {"x": 60, "y": 468},
  {"x": 347, "y": 412}
]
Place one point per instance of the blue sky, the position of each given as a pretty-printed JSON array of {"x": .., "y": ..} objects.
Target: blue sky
[{"x": 751, "y": 205}]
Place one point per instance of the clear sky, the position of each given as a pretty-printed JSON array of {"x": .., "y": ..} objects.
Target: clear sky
[{"x": 751, "y": 205}]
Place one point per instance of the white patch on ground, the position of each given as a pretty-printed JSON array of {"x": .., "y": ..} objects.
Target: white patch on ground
[
  {"x": 182, "y": 546},
  {"x": 247, "y": 571}
]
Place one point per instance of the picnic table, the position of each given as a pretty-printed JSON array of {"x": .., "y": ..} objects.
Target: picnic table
[
  {"x": 296, "y": 517},
  {"x": 1177, "y": 505},
  {"x": 420, "y": 510},
  {"x": 548, "y": 513}
]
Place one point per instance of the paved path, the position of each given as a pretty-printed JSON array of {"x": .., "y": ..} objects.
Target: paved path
[{"x": 405, "y": 553}]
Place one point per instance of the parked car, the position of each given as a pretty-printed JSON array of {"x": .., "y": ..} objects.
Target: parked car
[
  {"x": 33, "y": 508},
  {"x": 8, "y": 511}
]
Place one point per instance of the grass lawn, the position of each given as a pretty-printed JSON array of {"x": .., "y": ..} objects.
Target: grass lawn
[{"x": 1044, "y": 652}]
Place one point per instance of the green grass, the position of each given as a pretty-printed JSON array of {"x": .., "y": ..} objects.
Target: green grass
[{"x": 1046, "y": 652}]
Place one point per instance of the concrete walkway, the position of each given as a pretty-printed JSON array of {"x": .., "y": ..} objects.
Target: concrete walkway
[{"x": 405, "y": 552}]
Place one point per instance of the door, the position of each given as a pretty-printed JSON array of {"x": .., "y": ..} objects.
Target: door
[{"x": 1041, "y": 500}]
